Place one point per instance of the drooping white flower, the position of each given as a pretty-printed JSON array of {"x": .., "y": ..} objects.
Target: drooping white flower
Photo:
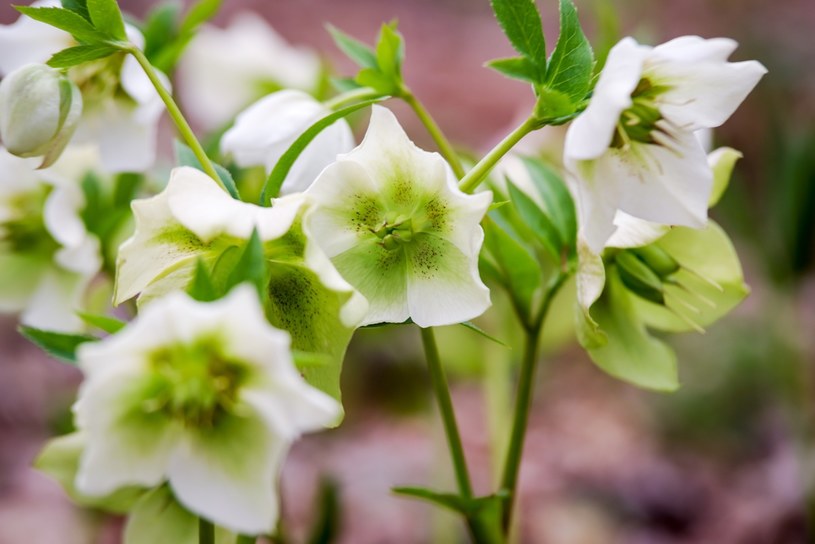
[
  {"x": 121, "y": 109},
  {"x": 204, "y": 396},
  {"x": 224, "y": 70},
  {"x": 47, "y": 257},
  {"x": 634, "y": 148},
  {"x": 194, "y": 220},
  {"x": 394, "y": 223},
  {"x": 265, "y": 130}
]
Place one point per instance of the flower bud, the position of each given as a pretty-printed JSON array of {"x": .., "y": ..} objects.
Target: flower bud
[{"x": 39, "y": 110}]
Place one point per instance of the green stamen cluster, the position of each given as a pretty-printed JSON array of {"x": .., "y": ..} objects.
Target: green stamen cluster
[
  {"x": 394, "y": 231},
  {"x": 639, "y": 122},
  {"x": 196, "y": 383}
]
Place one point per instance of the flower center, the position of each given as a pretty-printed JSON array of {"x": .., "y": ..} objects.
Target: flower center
[
  {"x": 99, "y": 81},
  {"x": 394, "y": 231},
  {"x": 25, "y": 232},
  {"x": 641, "y": 121},
  {"x": 195, "y": 383}
]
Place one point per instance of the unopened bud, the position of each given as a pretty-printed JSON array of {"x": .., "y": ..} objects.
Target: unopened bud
[{"x": 39, "y": 110}]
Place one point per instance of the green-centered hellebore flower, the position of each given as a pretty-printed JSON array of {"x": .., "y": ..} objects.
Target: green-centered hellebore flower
[
  {"x": 394, "y": 223},
  {"x": 655, "y": 277},
  {"x": 204, "y": 396},
  {"x": 39, "y": 111},
  {"x": 194, "y": 220},
  {"x": 47, "y": 256},
  {"x": 634, "y": 149}
]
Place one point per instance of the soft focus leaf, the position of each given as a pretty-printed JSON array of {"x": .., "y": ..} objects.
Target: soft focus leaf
[
  {"x": 251, "y": 267},
  {"x": 57, "y": 344},
  {"x": 106, "y": 17},
  {"x": 517, "y": 68},
  {"x": 556, "y": 198},
  {"x": 357, "y": 51},
  {"x": 540, "y": 223},
  {"x": 722, "y": 160},
  {"x": 327, "y": 527},
  {"x": 186, "y": 157},
  {"x": 67, "y": 20},
  {"x": 158, "y": 518},
  {"x": 199, "y": 13},
  {"x": 571, "y": 65},
  {"x": 201, "y": 287},
  {"x": 521, "y": 22},
  {"x": 105, "y": 323},
  {"x": 519, "y": 269},
  {"x": 79, "y": 54},
  {"x": 390, "y": 51},
  {"x": 478, "y": 330}
]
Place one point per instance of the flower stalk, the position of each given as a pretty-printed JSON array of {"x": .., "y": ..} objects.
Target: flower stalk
[{"x": 445, "y": 148}]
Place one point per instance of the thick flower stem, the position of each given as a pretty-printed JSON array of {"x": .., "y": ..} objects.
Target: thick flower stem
[
  {"x": 206, "y": 532},
  {"x": 436, "y": 133},
  {"x": 523, "y": 401},
  {"x": 442, "y": 392},
  {"x": 175, "y": 113},
  {"x": 477, "y": 174}
]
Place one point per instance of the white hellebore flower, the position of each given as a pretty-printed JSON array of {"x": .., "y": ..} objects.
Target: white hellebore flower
[
  {"x": 204, "y": 396},
  {"x": 634, "y": 147},
  {"x": 394, "y": 223},
  {"x": 121, "y": 109},
  {"x": 266, "y": 130},
  {"x": 224, "y": 70},
  {"x": 47, "y": 257}
]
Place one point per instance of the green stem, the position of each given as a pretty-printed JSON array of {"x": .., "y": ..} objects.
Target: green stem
[
  {"x": 442, "y": 392},
  {"x": 475, "y": 176},
  {"x": 175, "y": 113},
  {"x": 349, "y": 97},
  {"x": 433, "y": 128},
  {"x": 206, "y": 532},
  {"x": 523, "y": 401}
]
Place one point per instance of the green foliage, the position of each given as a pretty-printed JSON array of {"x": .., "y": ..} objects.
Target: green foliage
[
  {"x": 521, "y": 22},
  {"x": 381, "y": 67},
  {"x": 167, "y": 33},
  {"x": 104, "y": 323},
  {"x": 201, "y": 287},
  {"x": 557, "y": 201},
  {"x": 327, "y": 527},
  {"x": 252, "y": 266},
  {"x": 70, "y": 21},
  {"x": 79, "y": 54},
  {"x": 57, "y": 344},
  {"x": 516, "y": 68},
  {"x": 354, "y": 49},
  {"x": 106, "y": 17},
  {"x": 185, "y": 156},
  {"x": 540, "y": 223},
  {"x": 571, "y": 65},
  {"x": 278, "y": 174},
  {"x": 79, "y": 7}
]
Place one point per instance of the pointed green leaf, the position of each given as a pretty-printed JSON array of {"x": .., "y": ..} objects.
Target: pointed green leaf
[
  {"x": 252, "y": 266},
  {"x": 107, "y": 17},
  {"x": 201, "y": 287},
  {"x": 556, "y": 198},
  {"x": 278, "y": 174},
  {"x": 375, "y": 79},
  {"x": 79, "y": 7},
  {"x": 160, "y": 28},
  {"x": 357, "y": 51},
  {"x": 390, "y": 51},
  {"x": 69, "y": 21},
  {"x": 516, "y": 68},
  {"x": 57, "y": 344},
  {"x": 540, "y": 223},
  {"x": 521, "y": 22},
  {"x": 519, "y": 269},
  {"x": 478, "y": 330},
  {"x": 104, "y": 323},
  {"x": 79, "y": 54},
  {"x": 571, "y": 65},
  {"x": 199, "y": 13},
  {"x": 185, "y": 156},
  {"x": 327, "y": 527}
]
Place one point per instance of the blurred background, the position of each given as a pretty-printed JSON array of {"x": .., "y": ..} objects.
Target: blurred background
[{"x": 729, "y": 459}]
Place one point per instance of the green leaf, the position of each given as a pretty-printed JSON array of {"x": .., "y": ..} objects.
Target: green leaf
[
  {"x": 357, "y": 51},
  {"x": 252, "y": 266},
  {"x": 518, "y": 267},
  {"x": 630, "y": 352},
  {"x": 160, "y": 28},
  {"x": 478, "y": 330},
  {"x": 725, "y": 160},
  {"x": 278, "y": 174},
  {"x": 516, "y": 68},
  {"x": 79, "y": 54},
  {"x": 327, "y": 527},
  {"x": 571, "y": 65},
  {"x": 200, "y": 12},
  {"x": 383, "y": 83},
  {"x": 104, "y": 323},
  {"x": 390, "y": 51},
  {"x": 59, "y": 459},
  {"x": 521, "y": 22},
  {"x": 202, "y": 288},
  {"x": 106, "y": 17},
  {"x": 540, "y": 223},
  {"x": 553, "y": 104},
  {"x": 57, "y": 344},
  {"x": 556, "y": 198},
  {"x": 185, "y": 156},
  {"x": 79, "y": 7},
  {"x": 69, "y": 21}
]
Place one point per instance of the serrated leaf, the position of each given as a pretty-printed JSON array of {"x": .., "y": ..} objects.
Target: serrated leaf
[
  {"x": 390, "y": 51},
  {"x": 107, "y": 17},
  {"x": 537, "y": 219},
  {"x": 571, "y": 65},
  {"x": 57, "y": 344},
  {"x": 357, "y": 51},
  {"x": 186, "y": 157},
  {"x": 516, "y": 68},
  {"x": 278, "y": 174},
  {"x": 105, "y": 323},
  {"x": 553, "y": 104},
  {"x": 556, "y": 198},
  {"x": 79, "y": 54},
  {"x": 79, "y": 7},
  {"x": 200, "y": 12},
  {"x": 251, "y": 267},
  {"x": 521, "y": 22},
  {"x": 64, "y": 19}
]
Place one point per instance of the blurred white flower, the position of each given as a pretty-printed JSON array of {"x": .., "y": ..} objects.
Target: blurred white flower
[
  {"x": 266, "y": 130},
  {"x": 223, "y": 70},
  {"x": 121, "y": 109},
  {"x": 39, "y": 110},
  {"x": 634, "y": 147},
  {"x": 204, "y": 396},
  {"x": 394, "y": 223},
  {"x": 47, "y": 257}
]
